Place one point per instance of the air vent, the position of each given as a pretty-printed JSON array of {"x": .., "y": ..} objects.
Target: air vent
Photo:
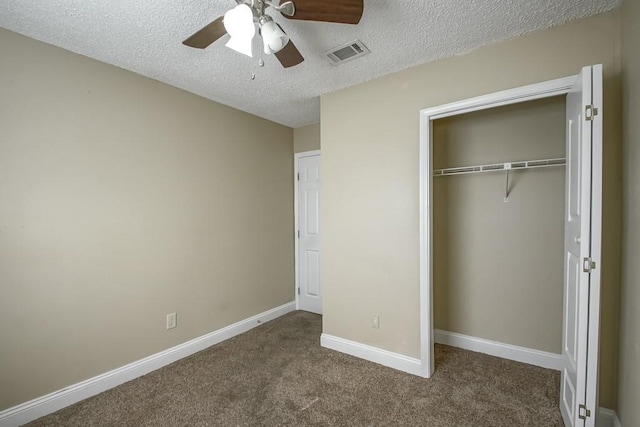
[{"x": 346, "y": 52}]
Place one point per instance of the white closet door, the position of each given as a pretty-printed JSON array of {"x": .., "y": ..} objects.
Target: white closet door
[
  {"x": 578, "y": 394},
  {"x": 310, "y": 289}
]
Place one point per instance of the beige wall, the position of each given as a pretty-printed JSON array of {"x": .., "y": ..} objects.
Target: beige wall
[
  {"x": 629, "y": 385},
  {"x": 370, "y": 146},
  {"x": 306, "y": 138},
  {"x": 121, "y": 200},
  {"x": 498, "y": 267}
]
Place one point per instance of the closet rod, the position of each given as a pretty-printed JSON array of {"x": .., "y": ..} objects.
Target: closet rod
[{"x": 525, "y": 164}]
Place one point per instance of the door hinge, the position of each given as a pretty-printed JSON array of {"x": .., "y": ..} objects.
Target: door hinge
[
  {"x": 298, "y": 291},
  {"x": 298, "y": 176},
  {"x": 298, "y": 234},
  {"x": 588, "y": 265},
  {"x": 583, "y": 412},
  {"x": 590, "y": 112}
]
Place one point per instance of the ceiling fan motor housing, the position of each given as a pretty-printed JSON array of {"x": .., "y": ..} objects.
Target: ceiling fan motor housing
[{"x": 258, "y": 7}]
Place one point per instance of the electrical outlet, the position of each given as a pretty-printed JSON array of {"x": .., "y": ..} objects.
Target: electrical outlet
[
  {"x": 172, "y": 320},
  {"x": 375, "y": 322}
]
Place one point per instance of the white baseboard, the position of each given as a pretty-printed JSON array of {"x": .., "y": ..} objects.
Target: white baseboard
[
  {"x": 608, "y": 418},
  {"x": 57, "y": 400},
  {"x": 373, "y": 354},
  {"x": 506, "y": 351}
]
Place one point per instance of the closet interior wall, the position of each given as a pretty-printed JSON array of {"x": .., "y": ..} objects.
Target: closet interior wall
[{"x": 498, "y": 266}]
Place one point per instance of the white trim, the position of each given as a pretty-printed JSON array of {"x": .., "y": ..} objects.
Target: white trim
[
  {"x": 296, "y": 159},
  {"x": 506, "y": 351},
  {"x": 506, "y": 97},
  {"x": 372, "y": 354},
  {"x": 427, "y": 352},
  {"x": 607, "y": 418},
  {"x": 36, "y": 408},
  {"x": 512, "y": 96}
]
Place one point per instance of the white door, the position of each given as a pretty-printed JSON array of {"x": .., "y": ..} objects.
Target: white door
[
  {"x": 580, "y": 335},
  {"x": 308, "y": 251}
]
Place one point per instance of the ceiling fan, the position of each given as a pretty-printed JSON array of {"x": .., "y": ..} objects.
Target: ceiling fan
[{"x": 240, "y": 23}]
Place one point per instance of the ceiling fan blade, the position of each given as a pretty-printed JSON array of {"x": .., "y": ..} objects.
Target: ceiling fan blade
[
  {"x": 340, "y": 11},
  {"x": 207, "y": 35},
  {"x": 289, "y": 56}
]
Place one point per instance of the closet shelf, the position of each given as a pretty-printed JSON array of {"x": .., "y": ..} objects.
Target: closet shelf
[{"x": 525, "y": 164}]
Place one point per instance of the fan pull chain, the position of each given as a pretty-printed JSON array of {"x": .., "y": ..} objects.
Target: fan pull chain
[{"x": 261, "y": 64}]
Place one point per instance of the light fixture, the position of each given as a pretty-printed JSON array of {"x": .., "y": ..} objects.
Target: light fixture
[
  {"x": 239, "y": 24},
  {"x": 273, "y": 37}
]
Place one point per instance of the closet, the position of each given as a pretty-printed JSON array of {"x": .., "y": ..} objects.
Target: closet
[
  {"x": 510, "y": 243},
  {"x": 498, "y": 224}
]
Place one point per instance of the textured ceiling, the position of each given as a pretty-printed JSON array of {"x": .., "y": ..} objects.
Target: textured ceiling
[{"x": 145, "y": 36}]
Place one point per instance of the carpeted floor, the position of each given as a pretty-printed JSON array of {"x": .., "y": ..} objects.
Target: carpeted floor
[{"x": 278, "y": 375}]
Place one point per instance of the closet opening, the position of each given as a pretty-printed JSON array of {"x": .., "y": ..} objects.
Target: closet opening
[
  {"x": 498, "y": 230},
  {"x": 497, "y": 259}
]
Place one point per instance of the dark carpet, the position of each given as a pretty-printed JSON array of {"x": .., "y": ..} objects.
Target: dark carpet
[{"x": 278, "y": 375}]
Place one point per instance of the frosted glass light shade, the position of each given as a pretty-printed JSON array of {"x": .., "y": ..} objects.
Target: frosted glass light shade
[
  {"x": 273, "y": 37},
  {"x": 242, "y": 46},
  {"x": 239, "y": 24}
]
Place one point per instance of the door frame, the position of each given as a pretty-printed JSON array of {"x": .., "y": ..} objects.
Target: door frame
[
  {"x": 547, "y": 89},
  {"x": 296, "y": 160}
]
